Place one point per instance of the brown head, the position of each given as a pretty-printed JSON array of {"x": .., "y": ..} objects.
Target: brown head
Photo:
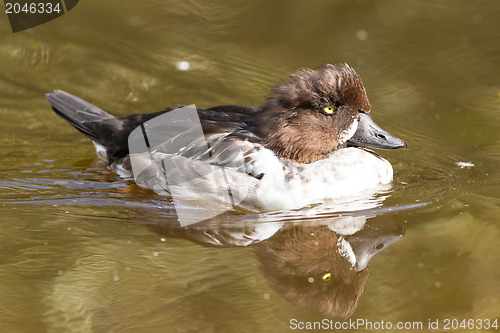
[{"x": 315, "y": 113}]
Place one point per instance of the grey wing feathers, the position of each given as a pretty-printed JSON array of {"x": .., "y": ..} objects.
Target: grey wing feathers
[{"x": 77, "y": 112}]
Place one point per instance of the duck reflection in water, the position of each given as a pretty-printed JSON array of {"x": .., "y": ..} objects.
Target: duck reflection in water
[{"x": 321, "y": 263}]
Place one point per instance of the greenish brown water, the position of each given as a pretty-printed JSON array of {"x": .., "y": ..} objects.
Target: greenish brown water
[{"x": 83, "y": 251}]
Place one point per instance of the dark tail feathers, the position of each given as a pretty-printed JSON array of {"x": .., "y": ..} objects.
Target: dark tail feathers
[
  {"x": 94, "y": 123},
  {"x": 99, "y": 126}
]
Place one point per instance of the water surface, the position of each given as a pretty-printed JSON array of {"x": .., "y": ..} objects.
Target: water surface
[{"x": 82, "y": 250}]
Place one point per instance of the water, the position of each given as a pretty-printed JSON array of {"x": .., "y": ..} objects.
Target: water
[{"x": 82, "y": 250}]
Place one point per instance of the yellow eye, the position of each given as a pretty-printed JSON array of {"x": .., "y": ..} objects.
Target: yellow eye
[
  {"x": 328, "y": 109},
  {"x": 327, "y": 277}
]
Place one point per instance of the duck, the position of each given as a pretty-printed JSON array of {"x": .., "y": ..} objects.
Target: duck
[{"x": 310, "y": 142}]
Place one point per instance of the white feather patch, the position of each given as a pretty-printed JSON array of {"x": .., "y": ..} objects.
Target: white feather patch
[
  {"x": 345, "y": 250},
  {"x": 349, "y": 132}
]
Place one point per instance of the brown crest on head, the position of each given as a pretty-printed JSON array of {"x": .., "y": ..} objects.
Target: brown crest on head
[{"x": 295, "y": 125}]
